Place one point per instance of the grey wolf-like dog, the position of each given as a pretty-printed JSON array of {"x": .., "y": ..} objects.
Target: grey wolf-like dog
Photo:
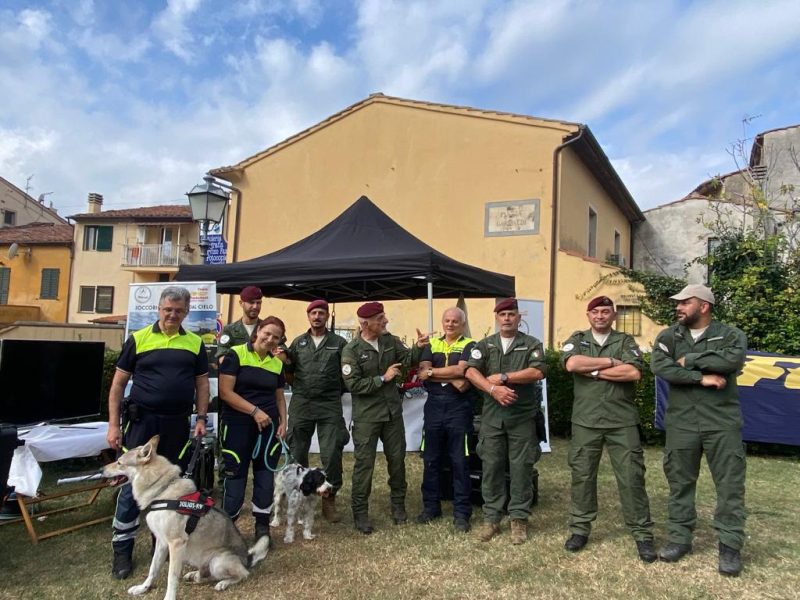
[{"x": 215, "y": 548}]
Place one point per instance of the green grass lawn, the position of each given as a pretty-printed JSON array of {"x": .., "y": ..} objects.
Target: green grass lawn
[{"x": 432, "y": 561}]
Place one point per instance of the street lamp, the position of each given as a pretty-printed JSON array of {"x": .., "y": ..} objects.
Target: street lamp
[{"x": 208, "y": 201}]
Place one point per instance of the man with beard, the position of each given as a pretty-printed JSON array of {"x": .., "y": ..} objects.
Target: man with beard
[
  {"x": 313, "y": 370},
  {"x": 700, "y": 359},
  {"x": 605, "y": 365},
  {"x": 239, "y": 332}
]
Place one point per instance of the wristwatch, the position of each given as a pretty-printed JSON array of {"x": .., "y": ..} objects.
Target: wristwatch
[
  {"x": 595, "y": 373},
  {"x": 504, "y": 378},
  {"x": 203, "y": 418},
  {"x": 430, "y": 372}
]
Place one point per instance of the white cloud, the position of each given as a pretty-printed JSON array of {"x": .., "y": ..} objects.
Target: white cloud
[{"x": 171, "y": 29}]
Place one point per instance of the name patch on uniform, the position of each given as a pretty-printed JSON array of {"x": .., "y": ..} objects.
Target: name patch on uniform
[
  {"x": 476, "y": 354},
  {"x": 331, "y": 347},
  {"x": 346, "y": 369},
  {"x": 224, "y": 339},
  {"x": 585, "y": 343},
  {"x": 521, "y": 349},
  {"x": 567, "y": 347},
  {"x": 714, "y": 339},
  {"x": 303, "y": 342},
  {"x": 663, "y": 346}
]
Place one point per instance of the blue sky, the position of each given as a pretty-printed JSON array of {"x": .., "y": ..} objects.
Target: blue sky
[{"x": 137, "y": 99}]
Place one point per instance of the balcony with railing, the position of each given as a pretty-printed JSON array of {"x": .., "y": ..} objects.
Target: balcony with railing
[{"x": 147, "y": 256}]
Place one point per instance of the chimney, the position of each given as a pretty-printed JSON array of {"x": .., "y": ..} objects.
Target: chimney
[{"x": 95, "y": 203}]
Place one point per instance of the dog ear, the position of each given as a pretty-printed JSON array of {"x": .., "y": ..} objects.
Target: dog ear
[
  {"x": 145, "y": 452},
  {"x": 307, "y": 485},
  {"x": 154, "y": 441}
]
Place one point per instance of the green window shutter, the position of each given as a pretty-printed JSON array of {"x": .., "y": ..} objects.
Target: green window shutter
[
  {"x": 104, "y": 238},
  {"x": 49, "y": 289},
  {"x": 86, "y": 303},
  {"x": 105, "y": 299},
  {"x": 5, "y": 279}
]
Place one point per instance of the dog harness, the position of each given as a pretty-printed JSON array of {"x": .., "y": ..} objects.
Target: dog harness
[{"x": 195, "y": 505}]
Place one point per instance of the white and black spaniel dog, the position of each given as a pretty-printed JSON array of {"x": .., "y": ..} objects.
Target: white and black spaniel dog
[{"x": 301, "y": 486}]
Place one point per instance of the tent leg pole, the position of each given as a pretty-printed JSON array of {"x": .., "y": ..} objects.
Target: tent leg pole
[{"x": 430, "y": 306}]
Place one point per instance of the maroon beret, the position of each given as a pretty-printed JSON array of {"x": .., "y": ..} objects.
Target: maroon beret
[
  {"x": 506, "y": 304},
  {"x": 250, "y": 294},
  {"x": 317, "y": 304},
  {"x": 600, "y": 301},
  {"x": 370, "y": 309}
]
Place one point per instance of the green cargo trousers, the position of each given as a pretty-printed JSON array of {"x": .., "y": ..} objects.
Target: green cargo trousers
[
  {"x": 333, "y": 437},
  {"x": 726, "y": 460},
  {"x": 508, "y": 444},
  {"x": 627, "y": 460},
  {"x": 365, "y": 440}
]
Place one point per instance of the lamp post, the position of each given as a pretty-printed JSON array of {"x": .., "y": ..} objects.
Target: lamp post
[{"x": 208, "y": 201}]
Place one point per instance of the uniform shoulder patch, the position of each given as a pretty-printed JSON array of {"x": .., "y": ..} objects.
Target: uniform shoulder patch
[
  {"x": 476, "y": 354},
  {"x": 346, "y": 369},
  {"x": 663, "y": 346},
  {"x": 224, "y": 338},
  {"x": 567, "y": 347}
]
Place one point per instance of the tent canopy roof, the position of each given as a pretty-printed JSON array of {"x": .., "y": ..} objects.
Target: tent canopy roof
[{"x": 362, "y": 254}]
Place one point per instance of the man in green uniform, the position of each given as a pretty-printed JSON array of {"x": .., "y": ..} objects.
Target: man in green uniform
[
  {"x": 313, "y": 370},
  {"x": 700, "y": 359},
  {"x": 606, "y": 364},
  {"x": 239, "y": 332},
  {"x": 506, "y": 367},
  {"x": 371, "y": 366}
]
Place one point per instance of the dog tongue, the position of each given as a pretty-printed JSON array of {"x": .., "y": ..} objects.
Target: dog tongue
[{"x": 118, "y": 480}]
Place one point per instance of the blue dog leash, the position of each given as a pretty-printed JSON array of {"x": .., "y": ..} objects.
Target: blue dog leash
[{"x": 270, "y": 449}]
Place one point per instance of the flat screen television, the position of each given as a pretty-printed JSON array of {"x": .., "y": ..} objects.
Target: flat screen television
[{"x": 42, "y": 380}]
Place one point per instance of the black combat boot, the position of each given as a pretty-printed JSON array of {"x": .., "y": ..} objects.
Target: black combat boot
[
  {"x": 362, "y": 523},
  {"x": 122, "y": 566},
  {"x": 730, "y": 561},
  {"x": 647, "y": 553},
  {"x": 674, "y": 552},
  {"x": 576, "y": 542},
  {"x": 262, "y": 526}
]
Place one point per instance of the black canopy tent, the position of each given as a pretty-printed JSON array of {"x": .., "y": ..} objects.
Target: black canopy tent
[{"x": 362, "y": 254}]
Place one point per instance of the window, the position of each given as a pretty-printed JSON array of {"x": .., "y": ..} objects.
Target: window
[
  {"x": 629, "y": 319},
  {"x": 49, "y": 289},
  {"x": 592, "y": 245},
  {"x": 617, "y": 243},
  {"x": 98, "y": 237},
  {"x": 9, "y": 218},
  {"x": 98, "y": 299},
  {"x": 5, "y": 278}
]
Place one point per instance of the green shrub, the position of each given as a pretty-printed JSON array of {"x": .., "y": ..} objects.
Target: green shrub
[{"x": 109, "y": 368}]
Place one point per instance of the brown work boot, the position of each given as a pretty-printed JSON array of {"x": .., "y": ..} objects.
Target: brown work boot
[
  {"x": 488, "y": 530},
  {"x": 329, "y": 511},
  {"x": 519, "y": 531}
]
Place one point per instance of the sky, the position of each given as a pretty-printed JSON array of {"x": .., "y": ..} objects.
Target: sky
[{"x": 137, "y": 99}]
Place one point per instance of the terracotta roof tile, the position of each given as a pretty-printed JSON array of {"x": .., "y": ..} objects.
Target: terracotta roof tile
[
  {"x": 37, "y": 233},
  {"x": 111, "y": 319},
  {"x": 182, "y": 212}
]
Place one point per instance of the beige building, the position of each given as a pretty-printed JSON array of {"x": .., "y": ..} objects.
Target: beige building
[
  {"x": 115, "y": 248},
  {"x": 35, "y": 264},
  {"x": 18, "y": 208},
  {"x": 529, "y": 197}
]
